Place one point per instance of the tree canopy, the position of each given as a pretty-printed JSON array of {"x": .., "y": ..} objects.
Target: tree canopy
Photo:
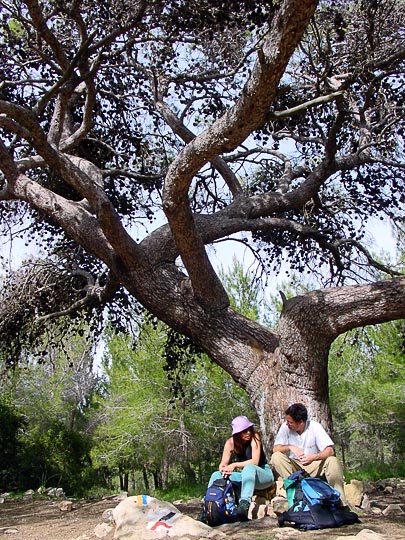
[{"x": 135, "y": 135}]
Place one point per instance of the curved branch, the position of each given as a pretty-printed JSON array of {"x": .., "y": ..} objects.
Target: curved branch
[
  {"x": 225, "y": 134},
  {"x": 187, "y": 136},
  {"x": 42, "y": 28},
  {"x": 79, "y": 174},
  {"x": 281, "y": 115}
]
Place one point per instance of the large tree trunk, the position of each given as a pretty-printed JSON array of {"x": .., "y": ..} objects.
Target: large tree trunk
[{"x": 280, "y": 367}]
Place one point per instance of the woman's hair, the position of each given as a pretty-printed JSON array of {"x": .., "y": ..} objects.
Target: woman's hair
[{"x": 238, "y": 445}]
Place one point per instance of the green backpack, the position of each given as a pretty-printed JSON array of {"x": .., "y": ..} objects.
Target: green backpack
[{"x": 313, "y": 504}]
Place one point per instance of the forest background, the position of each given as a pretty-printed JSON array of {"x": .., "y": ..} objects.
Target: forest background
[{"x": 140, "y": 420}]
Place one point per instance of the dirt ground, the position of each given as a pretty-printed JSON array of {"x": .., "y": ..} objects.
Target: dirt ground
[{"x": 43, "y": 520}]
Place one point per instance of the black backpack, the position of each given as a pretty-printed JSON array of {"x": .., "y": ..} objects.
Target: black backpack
[
  {"x": 314, "y": 504},
  {"x": 220, "y": 503}
]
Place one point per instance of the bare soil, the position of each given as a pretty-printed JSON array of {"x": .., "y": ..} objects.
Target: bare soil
[{"x": 43, "y": 520}]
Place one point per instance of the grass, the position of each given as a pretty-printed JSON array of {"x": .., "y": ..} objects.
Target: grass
[
  {"x": 181, "y": 492},
  {"x": 376, "y": 471}
]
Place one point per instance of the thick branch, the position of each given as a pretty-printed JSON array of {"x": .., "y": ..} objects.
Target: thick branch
[
  {"x": 337, "y": 310},
  {"x": 224, "y": 135}
]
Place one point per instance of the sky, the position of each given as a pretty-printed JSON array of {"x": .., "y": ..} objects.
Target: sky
[{"x": 221, "y": 255}]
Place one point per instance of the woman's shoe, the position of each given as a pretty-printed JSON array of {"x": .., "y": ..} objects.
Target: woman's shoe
[{"x": 243, "y": 510}]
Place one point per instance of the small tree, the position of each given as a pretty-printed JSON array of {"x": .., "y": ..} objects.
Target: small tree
[
  {"x": 51, "y": 403},
  {"x": 165, "y": 424},
  {"x": 367, "y": 389}
]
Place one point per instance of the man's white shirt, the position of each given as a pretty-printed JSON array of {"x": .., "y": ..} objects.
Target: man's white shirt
[{"x": 313, "y": 439}]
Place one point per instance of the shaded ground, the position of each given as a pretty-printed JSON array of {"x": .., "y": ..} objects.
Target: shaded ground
[{"x": 43, "y": 520}]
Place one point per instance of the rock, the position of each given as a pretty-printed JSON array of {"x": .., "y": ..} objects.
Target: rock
[
  {"x": 107, "y": 515},
  {"x": 102, "y": 530},
  {"x": 365, "y": 503},
  {"x": 393, "y": 509},
  {"x": 280, "y": 505},
  {"x": 380, "y": 485},
  {"x": 258, "y": 508},
  {"x": 354, "y": 492},
  {"x": 271, "y": 512},
  {"x": 148, "y": 518},
  {"x": 389, "y": 490},
  {"x": 280, "y": 489},
  {"x": 365, "y": 534},
  {"x": 65, "y": 506},
  {"x": 2, "y": 499},
  {"x": 55, "y": 492},
  {"x": 368, "y": 534}
]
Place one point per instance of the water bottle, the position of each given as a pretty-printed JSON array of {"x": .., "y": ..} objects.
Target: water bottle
[{"x": 230, "y": 504}]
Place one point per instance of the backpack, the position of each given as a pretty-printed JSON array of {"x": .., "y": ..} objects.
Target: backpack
[
  {"x": 313, "y": 504},
  {"x": 220, "y": 503}
]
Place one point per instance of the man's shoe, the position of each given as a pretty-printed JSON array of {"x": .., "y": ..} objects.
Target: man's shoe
[{"x": 243, "y": 510}]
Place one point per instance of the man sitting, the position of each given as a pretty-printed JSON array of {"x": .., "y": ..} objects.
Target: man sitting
[{"x": 304, "y": 444}]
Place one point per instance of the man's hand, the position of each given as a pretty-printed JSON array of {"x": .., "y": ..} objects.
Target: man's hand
[{"x": 306, "y": 459}]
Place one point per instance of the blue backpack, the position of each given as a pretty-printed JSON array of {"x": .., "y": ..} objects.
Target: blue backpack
[
  {"x": 313, "y": 504},
  {"x": 220, "y": 503}
]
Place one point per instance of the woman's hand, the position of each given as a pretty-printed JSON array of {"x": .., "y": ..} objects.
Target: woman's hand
[{"x": 226, "y": 470}]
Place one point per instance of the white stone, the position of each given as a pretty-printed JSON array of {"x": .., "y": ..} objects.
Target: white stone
[
  {"x": 279, "y": 504},
  {"x": 280, "y": 489},
  {"x": 368, "y": 534},
  {"x": 65, "y": 506},
  {"x": 147, "y": 518},
  {"x": 107, "y": 515},
  {"x": 354, "y": 492},
  {"x": 365, "y": 503},
  {"x": 393, "y": 509},
  {"x": 376, "y": 511}
]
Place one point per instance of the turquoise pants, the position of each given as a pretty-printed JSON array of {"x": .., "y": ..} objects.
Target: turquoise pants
[{"x": 251, "y": 478}]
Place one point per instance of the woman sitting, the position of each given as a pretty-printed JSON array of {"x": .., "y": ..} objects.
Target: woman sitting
[{"x": 244, "y": 451}]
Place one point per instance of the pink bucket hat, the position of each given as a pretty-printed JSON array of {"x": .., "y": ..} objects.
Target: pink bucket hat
[{"x": 240, "y": 423}]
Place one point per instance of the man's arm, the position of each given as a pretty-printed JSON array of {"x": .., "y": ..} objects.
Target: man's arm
[{"x": 285, "y": 448}]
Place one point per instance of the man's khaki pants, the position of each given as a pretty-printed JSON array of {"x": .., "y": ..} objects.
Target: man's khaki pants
[{"x": 330, "y": 469}]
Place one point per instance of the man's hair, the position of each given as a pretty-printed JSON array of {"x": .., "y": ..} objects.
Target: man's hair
[{"x": 298, "y": 412}]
